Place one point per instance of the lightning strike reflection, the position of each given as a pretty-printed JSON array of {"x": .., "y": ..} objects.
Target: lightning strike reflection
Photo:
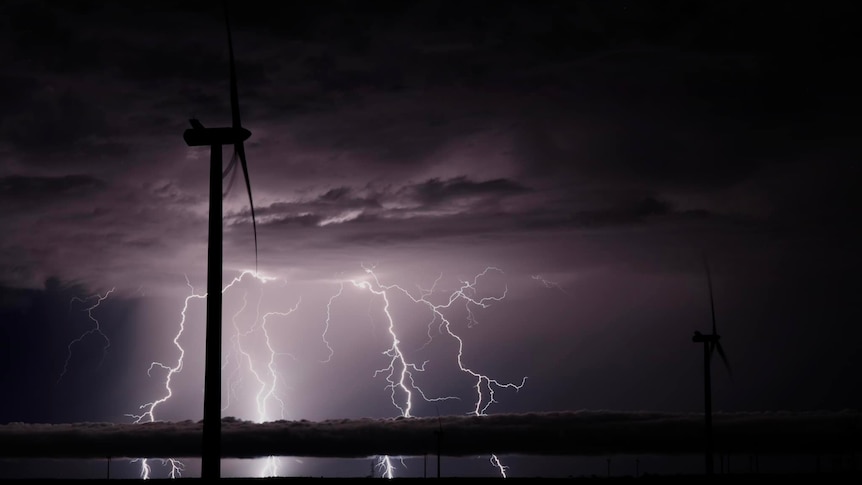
[
  {"x": 385, "y": 464},
  {"x": 496, "y": 463},
  {"x": 401, "y": 373},
  {"x": 97, "y": 329}
]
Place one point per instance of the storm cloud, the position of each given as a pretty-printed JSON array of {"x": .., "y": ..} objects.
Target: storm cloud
[{"x": 598, "y": 148}]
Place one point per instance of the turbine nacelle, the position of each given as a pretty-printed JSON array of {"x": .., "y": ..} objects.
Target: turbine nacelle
[{"x": 200, "y": 136}]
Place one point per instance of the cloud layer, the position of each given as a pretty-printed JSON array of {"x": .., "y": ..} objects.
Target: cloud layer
[{"x": 565, "y": 433}]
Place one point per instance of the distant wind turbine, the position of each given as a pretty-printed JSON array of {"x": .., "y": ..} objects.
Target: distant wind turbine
[
  {"x": 710, "y": 344},
  {"x": 214, "y": 138}
]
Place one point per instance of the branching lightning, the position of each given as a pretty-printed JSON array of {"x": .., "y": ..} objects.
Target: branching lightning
[
  {"x": 236, "y": 348},
  {"x": 266, "y": 380},
  {"x": 400, "y": 373},
  {"x": 268, "y": 391},
  {"x": 464, "y": 293},
  {"x": 97, "y": 329},
  {"x": 149, "y": 414}
]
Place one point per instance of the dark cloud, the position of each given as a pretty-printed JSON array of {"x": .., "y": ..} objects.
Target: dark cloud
[
  {"x": 56, "y": 115},
  {"x": 30, "y": 188},
  {"x": 458, "y": 195},
  {"x": 435, "y": 191},
  {"x": 569, "y": 433},
  {"x": 479, "y": 219},
  {"x": 335, "y": 194},
  {"x": 604, "y": 145},
  {"x": 626, "y": 210},
  {"x": 37, "y": 329}
]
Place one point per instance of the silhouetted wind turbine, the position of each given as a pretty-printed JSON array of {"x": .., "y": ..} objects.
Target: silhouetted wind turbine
[
  {"x": 710, "y": 344},
  {"x": 214, "y": 138}
]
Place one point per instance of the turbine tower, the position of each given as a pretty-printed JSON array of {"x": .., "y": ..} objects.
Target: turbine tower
[
  {"x": 234, "y": 135},
  {"x": 710, "y": 344}
]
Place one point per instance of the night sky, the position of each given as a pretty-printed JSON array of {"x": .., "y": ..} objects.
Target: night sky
[{"x": 566, "y": 163}]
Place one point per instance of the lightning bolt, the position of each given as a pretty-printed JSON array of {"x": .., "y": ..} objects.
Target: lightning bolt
[
  {"x": 267, "y": 392},
  {"x": 400, "y": 373},
  {"x": 329, "y": 318},
  {"x": 233, "y": 380},
  {"x": 97, "y": 329},
  {"x": 265, "y": 376},
  {"x": 548, "y": 284},
  {"x": 149, "y": 414}
]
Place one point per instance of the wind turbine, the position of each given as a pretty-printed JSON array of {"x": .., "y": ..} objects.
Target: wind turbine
[
  {"x": 710, "y": 344},
  {"x": 234, "y": 135}
]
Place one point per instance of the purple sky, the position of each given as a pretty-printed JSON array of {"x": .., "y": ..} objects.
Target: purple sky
[{"x": 591, "y": 152}]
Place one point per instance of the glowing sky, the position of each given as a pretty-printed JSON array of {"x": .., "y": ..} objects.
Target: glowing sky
[{"x": 592, "y": 151}]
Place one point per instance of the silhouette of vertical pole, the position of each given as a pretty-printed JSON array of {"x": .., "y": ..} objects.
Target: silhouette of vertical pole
[
  {"x": 707, "y": 405},
  {"x": 439, "y": 437},
  {"x": 439, "y": 434},
  {"x": 211, "y": 455}
]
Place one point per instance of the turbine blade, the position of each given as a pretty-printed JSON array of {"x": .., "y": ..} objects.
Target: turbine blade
[
  {"x": 711, "y": 301},
  {"x": 230, "y": 170},
  {"x": 230, "y": 166},
  {"x": 240, "y": 150},
  {"x": 234, "y": 97},
  {"x": 723, "y": 357}
]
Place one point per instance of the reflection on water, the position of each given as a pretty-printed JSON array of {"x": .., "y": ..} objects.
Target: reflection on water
[{"x": 478, "y": 466}]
